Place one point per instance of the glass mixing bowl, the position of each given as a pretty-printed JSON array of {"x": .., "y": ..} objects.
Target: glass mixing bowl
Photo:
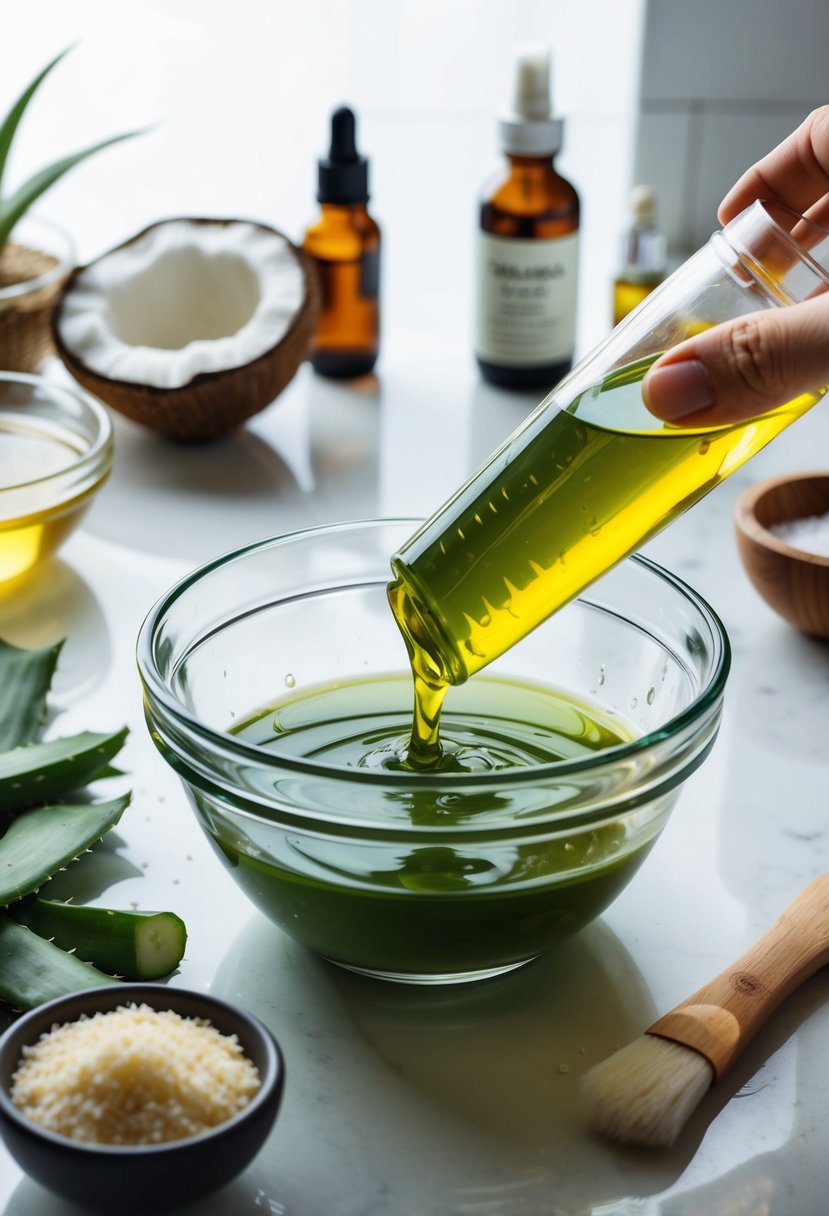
[
  {"x": 55, "y": 453},
  {"x": 423, "y": 877}
]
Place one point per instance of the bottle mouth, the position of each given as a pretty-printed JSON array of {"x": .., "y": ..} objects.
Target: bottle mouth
[
  {"x": 431, "y": 651},
  {"x": 787, "y": 252}
]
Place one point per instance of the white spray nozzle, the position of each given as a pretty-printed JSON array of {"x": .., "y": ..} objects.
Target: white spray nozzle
[
  {"x": 643, "y": 207},
  {"x": 529, "y": 129},
  {"x": 532, "y": 83}
]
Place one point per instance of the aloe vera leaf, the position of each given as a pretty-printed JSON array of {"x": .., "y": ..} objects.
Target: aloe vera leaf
[
  {"x": 17, "y": 204},
  {"x": 45, "y": 839},
  {"x": 33, "y": 971},
  {"x": 132, "y": 945},
  {"x": 25, "y": 679},
  {"x": 44, "y": 772},
  {"x": 14, "y": 115}
]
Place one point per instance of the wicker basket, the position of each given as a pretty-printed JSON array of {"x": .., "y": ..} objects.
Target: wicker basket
[{"x": 31, "y": 277}]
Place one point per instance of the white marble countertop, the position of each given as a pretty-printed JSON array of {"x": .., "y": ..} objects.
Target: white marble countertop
[{"x": 462, "y": 1101}]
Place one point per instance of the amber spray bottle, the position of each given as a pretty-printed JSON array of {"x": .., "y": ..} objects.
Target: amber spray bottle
[
  {"x": 528, "y": 244},
  {"x": 345, "y": 244},
  {"x": 644, "y": 255}
]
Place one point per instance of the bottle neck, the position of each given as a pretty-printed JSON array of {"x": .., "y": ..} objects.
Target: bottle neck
[
  {"x": 785, "y": 255},
  {"x": 645, "y": 251},
  {"x": 529, "y": 171},
  {"x": 343, "y": 214}
]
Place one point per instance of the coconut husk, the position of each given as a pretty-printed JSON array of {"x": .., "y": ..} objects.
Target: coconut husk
[
  {"x": 213, "y": 403},
  {"x": 25, "y": 332}
]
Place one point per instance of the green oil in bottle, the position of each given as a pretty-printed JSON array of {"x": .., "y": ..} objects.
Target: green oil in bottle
[{"x": 569, "y": 495}]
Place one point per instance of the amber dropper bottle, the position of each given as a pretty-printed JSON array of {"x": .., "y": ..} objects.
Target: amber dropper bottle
[
  {"x": 644, "y": 258},
  {"x": 345, "y": 244},
  {"x": 528, "y": 244}
]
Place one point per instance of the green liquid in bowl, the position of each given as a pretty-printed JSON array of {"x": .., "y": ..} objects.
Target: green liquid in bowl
[{"x": 439, "y": 894}]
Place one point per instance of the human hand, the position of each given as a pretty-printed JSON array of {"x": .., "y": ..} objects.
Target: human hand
[{"x": 744, "y": 367}]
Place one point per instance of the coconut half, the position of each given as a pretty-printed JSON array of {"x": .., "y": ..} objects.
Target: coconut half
[{"x": 192, "y": 325}]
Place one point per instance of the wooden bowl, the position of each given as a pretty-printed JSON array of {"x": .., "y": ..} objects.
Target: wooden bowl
[{"x": 793, "y": 582}]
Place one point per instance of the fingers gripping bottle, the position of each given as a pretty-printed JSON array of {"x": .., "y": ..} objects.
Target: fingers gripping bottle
[{"x": 591, "y": 474}]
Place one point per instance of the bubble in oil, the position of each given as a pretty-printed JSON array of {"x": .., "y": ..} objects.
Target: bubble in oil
[
  {"x": 651, "y": 696},
  {"x": 704, "y": 447},
  {"x": 290, "y": 680},
  {"x": 601, "y": 678}
]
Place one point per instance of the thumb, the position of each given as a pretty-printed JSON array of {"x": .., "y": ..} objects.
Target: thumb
[{"x": 742, "y": 368}]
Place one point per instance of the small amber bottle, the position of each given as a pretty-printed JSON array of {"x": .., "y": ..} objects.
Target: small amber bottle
[
  {"x": 345, "y": 244},
  {"x": 644, "y": 261},
  {"x": 528, "y": 245}
]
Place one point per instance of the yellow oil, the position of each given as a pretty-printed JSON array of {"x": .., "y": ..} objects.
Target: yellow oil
[
  {"x": 629, "y": 293},
  {"x": 568, "y": 496},
  {"x": 38, "y": 508}
]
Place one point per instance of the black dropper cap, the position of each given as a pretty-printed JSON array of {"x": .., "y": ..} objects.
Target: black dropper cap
[{"x": 343, "y": 176}]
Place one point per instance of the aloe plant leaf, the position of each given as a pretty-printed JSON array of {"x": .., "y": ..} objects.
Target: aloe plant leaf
[
  {"x": 131, "y": 944},
  {"x": 43, "y": 772},
  {"x": 13, "y": 117},
  {"x": 43, "y": 840},
  {"x": 25, "y": 679},
  {"x": 17, "y": 204},
  {"x": 33, "y": 971}
]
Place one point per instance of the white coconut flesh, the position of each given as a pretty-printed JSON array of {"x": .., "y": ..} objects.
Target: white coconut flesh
[{"x": 181, "y": 300}]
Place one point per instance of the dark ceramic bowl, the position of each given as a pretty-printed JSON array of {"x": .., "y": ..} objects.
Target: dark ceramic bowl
[{"x": 141, "y": 1179}]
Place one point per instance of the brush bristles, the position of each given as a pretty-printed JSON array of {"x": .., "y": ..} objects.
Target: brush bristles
[{"x": 645, "y": 1093}]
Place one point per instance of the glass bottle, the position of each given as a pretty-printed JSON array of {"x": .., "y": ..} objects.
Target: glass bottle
[
  {"x": 591, "y": 475},
  {"x": 345, "y": 245},
  {"x": 528, "y": 245},
  {"x": 643, "y": 256}
]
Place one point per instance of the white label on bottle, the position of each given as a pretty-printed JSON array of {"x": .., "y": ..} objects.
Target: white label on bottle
[{"x": 526, "y": 299}]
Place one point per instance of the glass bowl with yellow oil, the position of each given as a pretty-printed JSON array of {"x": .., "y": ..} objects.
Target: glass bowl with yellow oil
[
  {"x": 277, "y": 686},
  {"x": 55, "y": 453}
]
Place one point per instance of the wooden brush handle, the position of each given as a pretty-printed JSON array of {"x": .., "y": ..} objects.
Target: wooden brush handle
[{"x": 724, "y": 1015}]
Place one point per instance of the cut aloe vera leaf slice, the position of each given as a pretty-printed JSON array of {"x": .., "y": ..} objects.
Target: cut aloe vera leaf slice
[
  {"x": 25, "y": 679},
  {"x": 132, "y": 945},
  {"x": 44, "y": 772},
  {"x": 45, "y": 839},
  {"x": 33, "y": 971}
]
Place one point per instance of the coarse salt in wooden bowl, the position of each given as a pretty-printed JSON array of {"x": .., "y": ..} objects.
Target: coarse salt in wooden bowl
[{"x": 793, "y": 581}]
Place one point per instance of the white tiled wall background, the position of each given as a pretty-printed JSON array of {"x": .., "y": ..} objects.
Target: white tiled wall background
[{"x": 722, "y": 82}]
